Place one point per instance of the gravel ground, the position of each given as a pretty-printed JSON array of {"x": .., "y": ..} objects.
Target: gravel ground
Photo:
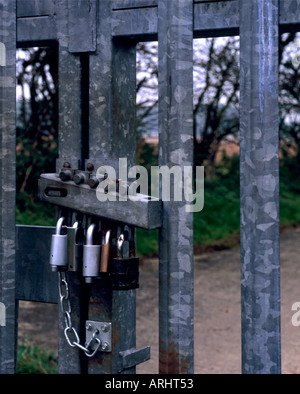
[{"x": 217, "y": 311}]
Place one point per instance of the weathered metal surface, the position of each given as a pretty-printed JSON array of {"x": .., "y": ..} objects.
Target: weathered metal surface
[
  {"x": 34, "y": 279},
  {"x": 142, "y": 212},
  {"x": 216, "y": 18},
  {"x": 71, "y": 360},
  {"x": 259, "y": 128},
  {"x": 117, "y": 307},
  {"x": 69, "y": 91},
  {"x": 31, "y": 31},
  {"x": 138, "y": 23},
  {"x": 138, "y": 19},
  {"x": 175, "y": 49},
  {"x": 132, "y": 357},
  {"x": 289, "y": 14},
  {"x": 124, "y": 103},
  {"x": 8, "y": 190},
  {"x": 30, "y": 8},
  {"x": 82, "y": 26},
  {"x": 100, "y": 94},
  {"x": 112, "y": 96},
  {"x": 127, "y": 4}
]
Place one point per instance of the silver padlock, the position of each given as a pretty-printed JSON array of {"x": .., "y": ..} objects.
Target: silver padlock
[
  {"x": 91, "y": 256},
  {"x": 59, "y": 248},
  {"x": 75, "y": 248}
]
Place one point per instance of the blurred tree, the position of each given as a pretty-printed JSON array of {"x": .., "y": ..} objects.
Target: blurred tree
[
  {"x": 289, "y": 79},
  {"x": 37, "y": 103},
  {"x": 216, "y": 102}
]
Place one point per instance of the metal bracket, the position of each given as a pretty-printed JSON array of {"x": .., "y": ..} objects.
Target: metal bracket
[
  {"x": 140, "y": 211},
  {"x": 133, "y": 357},
  {"x": 101, "y": 331}
]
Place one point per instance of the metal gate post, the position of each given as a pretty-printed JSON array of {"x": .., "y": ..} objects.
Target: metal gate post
[
  {"x": 259, "y": 126},
  {"x": 70, "y": 359},
  {"x": 112, "y": 106},
  {"x": 176, "y": 318},
  {"x": 7, "y": 190}
]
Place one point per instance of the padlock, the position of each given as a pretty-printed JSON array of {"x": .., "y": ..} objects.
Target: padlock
[
  {"x": 59, "y": 248},
  {"x": 75, "y": 248},
  {"x": 105, "y": 253},
  {"x": 91, "y": 256},
  {"x": 125, "y": 273},
  {"x": 125, "y": 270}
]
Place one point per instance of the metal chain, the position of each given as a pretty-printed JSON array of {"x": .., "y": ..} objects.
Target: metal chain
[{"x": 69, "y": 330}]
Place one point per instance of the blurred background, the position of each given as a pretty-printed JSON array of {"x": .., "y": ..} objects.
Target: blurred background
[{"x": 216, "y": 134}]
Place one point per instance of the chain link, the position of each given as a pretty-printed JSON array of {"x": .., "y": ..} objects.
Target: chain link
[{"x": 69, "y": 330}]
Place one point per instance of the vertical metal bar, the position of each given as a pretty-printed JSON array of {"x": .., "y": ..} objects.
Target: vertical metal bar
[
  {"x": 259, "y": 118},
  {"x": 69, "y": 136},
  {"x": 124, "y": 101},
  {"x": 117, "y": 307},
  {"x": 176, "y": 317},
  {"x": 100, "y": 109},
  {"x": 112, "y": 136},
  {"x": 8, "y": 332}
]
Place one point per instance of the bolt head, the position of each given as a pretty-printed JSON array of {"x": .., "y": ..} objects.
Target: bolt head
[
  {"x": 105, "y": 346},
  {"x": 88, "y": 327},
  {"x": 93, "y": 182},
  {"x": 65, "y": 176},
  {"x": 90, "y": 167},
  {"x": 78, "y": 179}
]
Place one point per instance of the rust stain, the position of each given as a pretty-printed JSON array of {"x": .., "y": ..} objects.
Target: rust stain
[{"x": 170, "y": 360}]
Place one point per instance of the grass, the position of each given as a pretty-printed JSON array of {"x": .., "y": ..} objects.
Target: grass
[
  {"x": 217, "y": 226},
  {"x": 34, "y": 359}
]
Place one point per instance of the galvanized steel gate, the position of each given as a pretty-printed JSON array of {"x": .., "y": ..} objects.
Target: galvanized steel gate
[{"x": 97, "y": 39}]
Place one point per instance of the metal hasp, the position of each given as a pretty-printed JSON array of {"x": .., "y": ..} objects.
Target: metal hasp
[
  {"x": 259, "y": 129},
  {"x": 100, "y": 330},
  {"x": 143, "y": 211}
]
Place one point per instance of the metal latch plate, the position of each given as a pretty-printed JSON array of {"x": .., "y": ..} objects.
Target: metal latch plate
[{"x": 100, "y": 330}]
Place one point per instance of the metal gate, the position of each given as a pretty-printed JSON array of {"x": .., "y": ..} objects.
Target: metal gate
[{"x": 96, "y": 43}]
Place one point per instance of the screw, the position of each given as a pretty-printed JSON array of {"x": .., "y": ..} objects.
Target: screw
[
  {"x": 105, "y": 346},
  {"x": 66, "y": 164},
  {"x": 104, "y": 328},
  {"x": 89, "y": 327}
]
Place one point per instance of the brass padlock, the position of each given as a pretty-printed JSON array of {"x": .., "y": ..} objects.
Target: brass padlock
[
  {"x": 105, "y": 253},
  {"x": 59, "y": 248},
  {"x": 91, "y": 256},
  {"x": 75, "y": 248}
]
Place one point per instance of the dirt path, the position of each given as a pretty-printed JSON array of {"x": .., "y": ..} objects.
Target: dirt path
[{"x": 217, "y": 311}]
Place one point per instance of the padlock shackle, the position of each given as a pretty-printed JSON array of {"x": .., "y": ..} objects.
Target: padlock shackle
[
  {"x": 90, "y": 234},
  {"x": 59, "y": 225},
  {"x": 107, "y": 237}
]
